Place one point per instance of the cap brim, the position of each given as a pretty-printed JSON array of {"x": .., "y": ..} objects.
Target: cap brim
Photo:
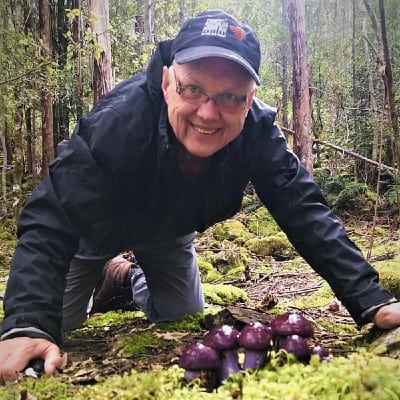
[{"x": 195, "y": 53}]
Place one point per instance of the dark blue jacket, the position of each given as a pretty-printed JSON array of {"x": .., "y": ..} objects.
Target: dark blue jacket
[{"x": 118, "y": 185}]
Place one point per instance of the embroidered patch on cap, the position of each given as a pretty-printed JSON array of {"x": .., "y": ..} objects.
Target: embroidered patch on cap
[{"x": 215, "y": 27}]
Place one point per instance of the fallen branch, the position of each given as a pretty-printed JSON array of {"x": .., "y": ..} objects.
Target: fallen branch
[{"x": 355, "y": 155}]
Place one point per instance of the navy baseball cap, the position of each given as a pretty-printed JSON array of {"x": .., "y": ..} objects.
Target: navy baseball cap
[{"x": 214, "y": 33}]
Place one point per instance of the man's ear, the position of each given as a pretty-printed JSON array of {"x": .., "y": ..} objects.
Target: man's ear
[
  {"x": 250, "y": 98},
  {"x": 165, "y": 81}
]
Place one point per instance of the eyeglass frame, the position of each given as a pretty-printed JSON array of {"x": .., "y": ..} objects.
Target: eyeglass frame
[{"x": 203, "y": 97}]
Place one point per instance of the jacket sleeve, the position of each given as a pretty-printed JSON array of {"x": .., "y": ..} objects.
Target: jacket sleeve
[
  {"x": 297, "y": 204},
  {"x": 54, "y": 218},
  {"x": 36, "y": 283}
]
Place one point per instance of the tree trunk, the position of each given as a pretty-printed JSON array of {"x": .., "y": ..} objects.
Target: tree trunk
[
  {"x": 60, "y": 48},
  {"x": 18, "y": 167},
  {"x": 4, "y": 161},
  {"x": 102, "y": 77},
  {"x": 385, "y": 70},
  {"x": 46, "y": 96},
  {"x": 77, "y": 37},
  {"x": 148, "y": 27},
  {"x": 389, "y": 88},
  {"x": 302, "y": 144},
  {"x": 182, "y": 12},
  {"x": 284, "y": 52}
]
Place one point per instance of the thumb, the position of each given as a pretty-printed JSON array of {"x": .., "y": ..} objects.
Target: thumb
[{"x": 52, "y": 359}]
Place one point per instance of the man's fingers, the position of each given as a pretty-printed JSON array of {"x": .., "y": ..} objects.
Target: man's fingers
[
  {"x": 52, "y": 359},
  {"x": 388, "y": 317}
]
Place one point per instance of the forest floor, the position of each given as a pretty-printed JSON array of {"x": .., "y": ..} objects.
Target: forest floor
[{"x": 115, "y": 343}]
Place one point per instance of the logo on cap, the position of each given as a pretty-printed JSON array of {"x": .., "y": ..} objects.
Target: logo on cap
[
  {"x": 215, "y": 27},
  {"x": 219, "y": 27},
  {"x": 238, "y": 32}
]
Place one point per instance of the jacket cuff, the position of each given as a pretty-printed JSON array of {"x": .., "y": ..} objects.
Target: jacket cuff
[
  {"x": 370, "y": 312},
  {"x": 31, "y": 332}
]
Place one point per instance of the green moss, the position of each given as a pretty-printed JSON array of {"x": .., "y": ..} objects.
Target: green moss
[
  {"x": 261, "y": 223},
  {"x": 135, "y": 386},
  {"x": 138, "y": 343},
  {"x": 190, "y": 324},
  {"x": 319, "y": 298},
  {"x": 223, "y": 294},
  {"x": 207, "y": 272},
  {"x": 339, "y": 329},
  {"x": 46, "y": 388},
  {"x": 232, "y": 230},
  {"x": 231, "y": 261},
  {"x": 277, "y": 245},
  {"x": 389, "y": 274},
  {"x": 112, "y": 318},
  {"x": 361, "y": 376}
]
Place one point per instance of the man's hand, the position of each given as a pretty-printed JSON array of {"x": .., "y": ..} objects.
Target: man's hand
[
  {"x": 388, "y": 317},
  {"x": 16, "y": 353}
]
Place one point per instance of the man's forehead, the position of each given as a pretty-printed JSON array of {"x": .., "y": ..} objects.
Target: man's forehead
[{"x": 217, "y": 65}]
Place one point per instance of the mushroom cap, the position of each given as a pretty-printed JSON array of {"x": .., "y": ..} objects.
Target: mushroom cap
[
  {"x": 196, "y": 356},
  {"x": 296, "y": 345},
  {"x": 292, "y": 324},
  {"x": 222, "y": 337},
  {"x": 256, "y": 336},
  {"x": 321, "y": 352}
]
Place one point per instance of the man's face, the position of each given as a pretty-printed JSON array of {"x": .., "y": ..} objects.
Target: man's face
[{"x": 205, "y": 127}]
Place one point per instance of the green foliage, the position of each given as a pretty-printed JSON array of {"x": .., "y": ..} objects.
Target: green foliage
[{"x": 356, "y": 198}]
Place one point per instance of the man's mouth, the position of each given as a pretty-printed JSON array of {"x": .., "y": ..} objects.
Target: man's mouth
[{"x": 205, "y": 131}]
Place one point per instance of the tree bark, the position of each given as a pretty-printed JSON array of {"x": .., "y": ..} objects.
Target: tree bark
[
  {"x": 284, "y": 53},
  {"x": 102, "y": 77},
  {"x": 385, "y": 70},
  {"x": 302, "y": 144},
  {"x": 46, "y": 96},
  {"x": 389, "y": 88},
  {"x": 148, "y": 27},
  {"x": 77, "y": 37}
]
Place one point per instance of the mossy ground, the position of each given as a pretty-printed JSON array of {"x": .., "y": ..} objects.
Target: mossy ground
[{"x": 123, "y": 356}]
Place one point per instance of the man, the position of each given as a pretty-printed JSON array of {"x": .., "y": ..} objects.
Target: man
[{"x": 165, "y": 154}]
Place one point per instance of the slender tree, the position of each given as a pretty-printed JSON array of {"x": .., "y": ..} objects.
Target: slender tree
[
  {"x": 102, "y": 76},
  {"x": 302, "y": 144},
  {"x": 46, "y": 96},
  {"x": 77, "y": 38}
]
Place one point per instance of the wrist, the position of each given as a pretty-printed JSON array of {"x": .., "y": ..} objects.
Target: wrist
[{"x": 30, "y": 331}]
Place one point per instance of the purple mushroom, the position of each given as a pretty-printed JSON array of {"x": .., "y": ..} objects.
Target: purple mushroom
[
  {"x": 195, "y": 358},
  {"x": 256, "y": 339},
  {"x": 297, "y": 346},
  {"x": 291, "y": 324},
  {"x": 321, "y": 352},
  {"x": 224, "y": 339}
]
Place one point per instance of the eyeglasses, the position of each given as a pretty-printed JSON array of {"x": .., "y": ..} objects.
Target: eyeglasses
[{"x": 226, "y": 102}]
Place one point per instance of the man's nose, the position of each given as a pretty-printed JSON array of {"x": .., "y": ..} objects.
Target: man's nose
[{"x": 208, "y": 110}]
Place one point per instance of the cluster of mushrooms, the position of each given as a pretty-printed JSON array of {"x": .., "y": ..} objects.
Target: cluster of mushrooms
[{"x": 218, "y": 353}]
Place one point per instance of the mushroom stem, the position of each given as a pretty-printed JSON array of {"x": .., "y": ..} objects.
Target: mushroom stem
[
  {"x": 254, "y": 359},
  {"x": 229, "y": 364},
  {"x": 191, "y": 375}
]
